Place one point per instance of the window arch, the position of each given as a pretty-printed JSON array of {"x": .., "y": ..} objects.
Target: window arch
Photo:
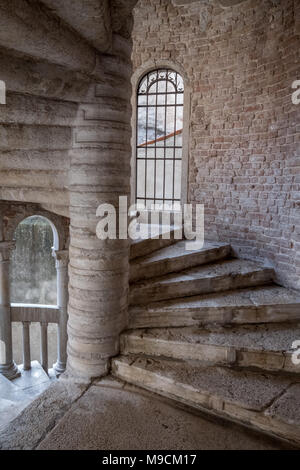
[{"x": 159, "y": 138}]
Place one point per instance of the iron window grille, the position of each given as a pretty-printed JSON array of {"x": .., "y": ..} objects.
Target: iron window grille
[{"x": 159, "y": 131}]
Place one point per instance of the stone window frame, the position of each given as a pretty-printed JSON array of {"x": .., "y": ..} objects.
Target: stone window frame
[{"x": 136, "y": 78}]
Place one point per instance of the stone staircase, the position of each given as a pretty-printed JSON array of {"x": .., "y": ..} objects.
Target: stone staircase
[
  {"x": 17, "y": 394},
  {"x": 214, "y": 333}
]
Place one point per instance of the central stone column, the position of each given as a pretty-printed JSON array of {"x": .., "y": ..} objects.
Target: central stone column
[{"x": 100, "y": 173}]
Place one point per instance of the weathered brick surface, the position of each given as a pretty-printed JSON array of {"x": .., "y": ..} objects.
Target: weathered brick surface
[{"x": 244, "y": 153}]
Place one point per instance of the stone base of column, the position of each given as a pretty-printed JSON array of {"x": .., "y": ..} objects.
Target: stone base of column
[
  {"x": 10, "y": 372},
  {"x": 59, "y": 368},
  {"x": 84, "y": 371}
]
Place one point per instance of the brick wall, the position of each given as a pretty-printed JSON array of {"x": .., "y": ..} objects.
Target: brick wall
[{"x": 244, "y": 157}]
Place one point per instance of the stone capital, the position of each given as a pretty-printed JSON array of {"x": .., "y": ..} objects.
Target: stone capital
[
  {"x": 6, "y": 249},
  {"x": 61, "y": 257}
]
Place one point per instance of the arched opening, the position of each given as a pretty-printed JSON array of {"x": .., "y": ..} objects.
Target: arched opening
[
  {"x": 33, "y": 280},
  {"x": 159, "y": 139},
  {"x": 33, "y": 273}
]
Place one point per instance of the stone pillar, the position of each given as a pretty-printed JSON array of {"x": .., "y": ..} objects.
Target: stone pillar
[
  {"x": 7, "y": 366},
  {"x": 62, "y": 260},
  {"x": 100, "y": 173}
]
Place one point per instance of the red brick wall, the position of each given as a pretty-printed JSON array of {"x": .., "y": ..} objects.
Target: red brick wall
[{"x": 244, "y": 159}]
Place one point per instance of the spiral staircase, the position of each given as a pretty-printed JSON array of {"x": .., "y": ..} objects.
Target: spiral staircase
[{"x": 213, "y": 333}]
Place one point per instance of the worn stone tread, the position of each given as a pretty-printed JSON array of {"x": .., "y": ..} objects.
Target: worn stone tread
[
  {"x": 253, "y": 305},
  {"x": 275, "y": 337},
  {"x": 264, "y": 346},
  {"x": 120, "y": 417},
  {"x": 40, "y": 416},
  {"x": 11, "y": 392},
  {"x": 214, "y": 277},
  {"x": 287, "y": 407},
  {"x": 250, "y": 390},
  {"x": 162, "y": 236},
  {"x": 6, "y": 386},
  {"x": 32, "y": 378},
  {"x": 22, "y": 391},
  {"x": 247, "y": 397},
  {"x": 175, "y": 258}
]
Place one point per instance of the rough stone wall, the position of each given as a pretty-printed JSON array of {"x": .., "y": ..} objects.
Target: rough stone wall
[
  {"x": 65, "y": 144},
  {"x": 51, "y": 58},
  {"x": 244, "y": 130}
]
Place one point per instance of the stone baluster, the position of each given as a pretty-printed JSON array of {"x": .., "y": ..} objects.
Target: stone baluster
[
  {"x": 44, "y": 346},
  {"x": 26, "y": 346},
  {"x": 7, "y": 366},
  {"x": 62, "y": 261}
]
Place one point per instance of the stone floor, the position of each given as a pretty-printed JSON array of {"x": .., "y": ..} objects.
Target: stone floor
[
  {"x": 113, "y": 416},
  {"x": 17, "y": 394}
]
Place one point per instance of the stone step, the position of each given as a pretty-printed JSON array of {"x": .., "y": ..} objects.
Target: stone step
[
  {"x": 17, "y": 394},
  {"x": 33, "y": 378},
  {"x": 30, "y": 383},
  {"x": 269, "y": 347},
  {"x": 216, "y": 277},
  {"x": 267, "y": 304},
  {"x": 8, "y": 396},
  {"x": 176, "y": 258},
  {"x": 9, "y": 410},
  {"x": 258, "y": 400},
  {"x": 160, "y": 237},
  {"x": 14, "y": 403},
  {"x": 7, "y": 388}
]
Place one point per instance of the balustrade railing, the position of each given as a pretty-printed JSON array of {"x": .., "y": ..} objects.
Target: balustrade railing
[
  {"x": 44, "y": 315},
  {"x": 31, "y": 313}
]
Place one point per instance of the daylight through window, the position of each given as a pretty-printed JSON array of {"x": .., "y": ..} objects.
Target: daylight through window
[{"x": 159, "y": 139}]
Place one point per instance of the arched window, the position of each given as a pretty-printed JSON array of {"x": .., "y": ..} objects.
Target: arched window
[{"x": 159, "y": 135}]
